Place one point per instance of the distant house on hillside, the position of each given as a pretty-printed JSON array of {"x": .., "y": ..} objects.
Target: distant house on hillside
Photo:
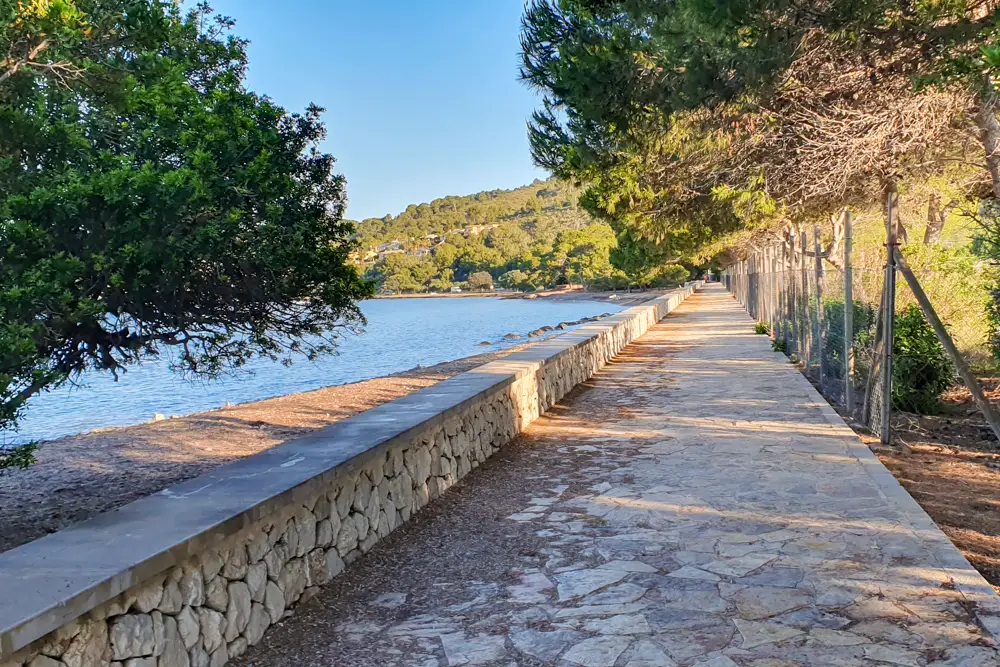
[{"x": 476, "y": 230}]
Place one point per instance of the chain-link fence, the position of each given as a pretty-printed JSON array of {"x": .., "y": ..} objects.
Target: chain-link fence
[{"x": 799, "y": 289}]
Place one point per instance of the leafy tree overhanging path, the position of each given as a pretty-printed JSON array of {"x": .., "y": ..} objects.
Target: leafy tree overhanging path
[{"x": 695, "y": 504}]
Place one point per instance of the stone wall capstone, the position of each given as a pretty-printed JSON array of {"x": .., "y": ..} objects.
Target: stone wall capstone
[{"x": 201, "y": 600}]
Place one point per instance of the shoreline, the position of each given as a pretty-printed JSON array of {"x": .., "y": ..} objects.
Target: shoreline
[
  {"x": 79, "y": 476},
  {"x": 151, "y": 391},
  {"x": 618, "y": 298}
]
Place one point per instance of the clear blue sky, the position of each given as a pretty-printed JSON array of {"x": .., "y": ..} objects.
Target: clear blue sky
[{"x": 422, "y": 96}]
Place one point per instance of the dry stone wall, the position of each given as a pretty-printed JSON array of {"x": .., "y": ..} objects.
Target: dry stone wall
[{"x": 208, "y": 609}]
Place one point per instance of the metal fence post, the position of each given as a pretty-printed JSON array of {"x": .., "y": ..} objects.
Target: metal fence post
[
  {"x": 770, "y": 289},
  {"x": 768, "y": 301},
  {"x": 792, "y": 294},
  {"x": 738, "y": 282},
  {"x": 818, "y": 324},
  {"x": 757, "y": 292},
  {"x": 890, "y": 309},
  {"x": 786, "y": 327},
  {"x": 781, "y": 297},
  {"x": 806, "y": 329},
  {"x": 775, "y": 308},
  {"x": 848, "y": 314}
]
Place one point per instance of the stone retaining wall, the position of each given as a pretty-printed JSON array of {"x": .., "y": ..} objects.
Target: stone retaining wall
[{"x": 193, "y": 575}]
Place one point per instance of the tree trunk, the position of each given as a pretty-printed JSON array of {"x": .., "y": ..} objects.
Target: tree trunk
[
  {"x": 989, "y": 134},
  {"x": 832, "y": 253},
  {"x": 936, "y": 215},
  {"x": 889, "y": 190}
]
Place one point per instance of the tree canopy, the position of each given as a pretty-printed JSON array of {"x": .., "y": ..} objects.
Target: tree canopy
[
  {"x": 694, "y": 119},
  {"x": 150, "y": 203}
]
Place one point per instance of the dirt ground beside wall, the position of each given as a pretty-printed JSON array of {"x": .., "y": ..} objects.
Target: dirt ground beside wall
[{"x": 80, "y": 476}]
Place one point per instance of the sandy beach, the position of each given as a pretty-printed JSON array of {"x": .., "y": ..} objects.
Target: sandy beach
[
  {"x": 79, "y": 476},
  {"x": 576, "y": 294}
]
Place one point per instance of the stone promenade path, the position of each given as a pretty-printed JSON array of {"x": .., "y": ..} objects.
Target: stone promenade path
[{"x": 694, "y": 504}]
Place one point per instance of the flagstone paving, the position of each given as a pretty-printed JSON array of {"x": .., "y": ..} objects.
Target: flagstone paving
[{"x": 695, "y": 504}]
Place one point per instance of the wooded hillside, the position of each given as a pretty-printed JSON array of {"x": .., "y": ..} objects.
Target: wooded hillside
[{"x": 528, "y": 238}]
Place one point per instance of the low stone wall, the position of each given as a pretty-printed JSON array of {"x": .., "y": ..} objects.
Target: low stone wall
[{"x": 193, "y": 575}]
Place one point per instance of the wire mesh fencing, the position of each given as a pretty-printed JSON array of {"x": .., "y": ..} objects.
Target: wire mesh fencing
[
  {"x": 821, "y": 312},
  {"x": 826, "y": 307},
  {"x": 943, "y": 342}
]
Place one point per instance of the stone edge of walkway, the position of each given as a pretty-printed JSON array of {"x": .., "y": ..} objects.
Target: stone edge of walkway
[{"x": 968, "y": 581}]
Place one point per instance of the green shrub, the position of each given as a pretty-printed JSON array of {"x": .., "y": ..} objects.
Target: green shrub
[
  {"x": 993, "y": 321},
  {"x": 761, "y": 329},
  {"x": 669, "y": 276},
  {"x": 834, "y": 364},
  {"x": 608, "y": 283},
  {"x": 921, "y": 370},
  {"x": 517, "y": 279},
  {"x": 779, "y": 345},
  {"x": 20, "y": 456}
]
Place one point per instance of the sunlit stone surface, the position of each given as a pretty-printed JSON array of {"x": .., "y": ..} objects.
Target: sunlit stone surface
[{"x": 716, "y": 515}]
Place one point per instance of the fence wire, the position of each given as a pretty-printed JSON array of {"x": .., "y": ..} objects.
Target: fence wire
[
  {"x": 825, "y": 309},
  {"x": 802, "y": 304}
]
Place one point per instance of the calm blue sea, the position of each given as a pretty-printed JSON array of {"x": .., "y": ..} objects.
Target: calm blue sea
[{"x": 401, "y": 334}]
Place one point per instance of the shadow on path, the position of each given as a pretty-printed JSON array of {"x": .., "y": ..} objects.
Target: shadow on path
[{"x": 692, "y": 504}]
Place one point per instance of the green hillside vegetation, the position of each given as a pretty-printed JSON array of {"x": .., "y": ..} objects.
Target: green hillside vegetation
[{"x": 532, "y": 237}]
